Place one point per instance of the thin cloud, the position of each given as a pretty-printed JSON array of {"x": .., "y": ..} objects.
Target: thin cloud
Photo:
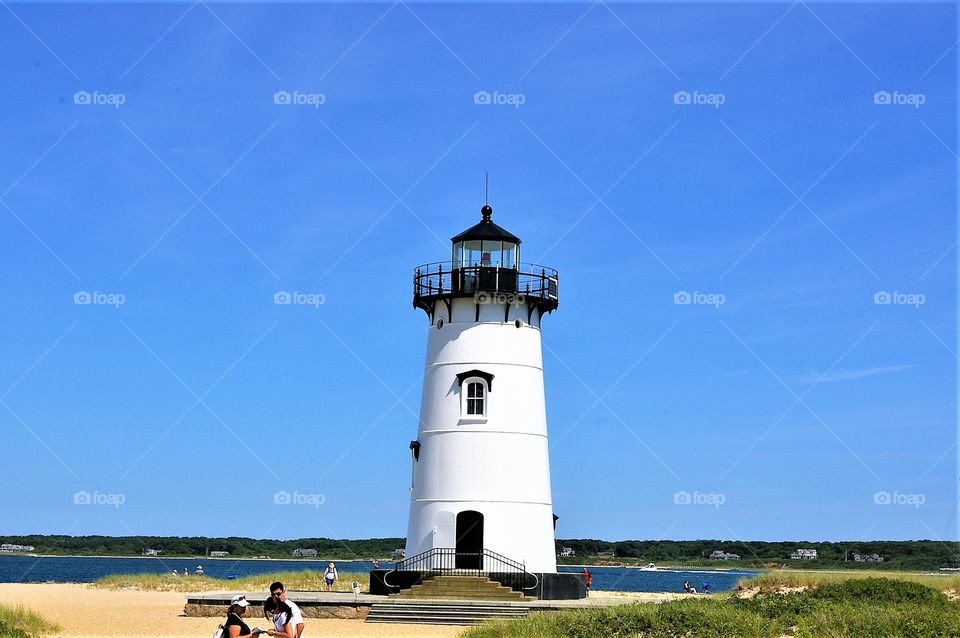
[{"x": 850, "y": 375}]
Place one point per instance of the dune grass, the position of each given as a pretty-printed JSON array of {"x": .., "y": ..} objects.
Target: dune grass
[
  {"x": 856, "y": 608},
  {"x": 781, "y": 578},
  {"x": 20, "y": 622},
  {"x": 299, "y": 581}
]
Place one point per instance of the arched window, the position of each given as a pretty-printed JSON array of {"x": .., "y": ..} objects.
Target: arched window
[
  {"x": 476, "y": 398},
  {"x": 475, "y": 386}
]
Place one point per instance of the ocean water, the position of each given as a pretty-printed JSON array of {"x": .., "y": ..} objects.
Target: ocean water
[{"x": 32, "y": 569}]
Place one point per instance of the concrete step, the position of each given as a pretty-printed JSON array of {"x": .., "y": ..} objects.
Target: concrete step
[
  {"x": 445, "y": 613},
  {"x": 460, "y": 588}
]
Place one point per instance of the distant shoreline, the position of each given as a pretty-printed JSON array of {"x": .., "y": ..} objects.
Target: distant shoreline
[
  {"x": 363, "y": 560},
  {"x": 186, "y": 557}
]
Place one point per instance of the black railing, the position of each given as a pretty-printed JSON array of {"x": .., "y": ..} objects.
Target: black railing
[
  {"x": 446, "y": 278},
  {"x": 447, "y": 560}
]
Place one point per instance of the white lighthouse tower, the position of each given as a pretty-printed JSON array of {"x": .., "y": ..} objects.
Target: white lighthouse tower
[{"x": 480, "y": 486}]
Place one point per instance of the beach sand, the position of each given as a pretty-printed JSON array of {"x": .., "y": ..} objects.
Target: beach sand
[{"x": 85, "y": 612}]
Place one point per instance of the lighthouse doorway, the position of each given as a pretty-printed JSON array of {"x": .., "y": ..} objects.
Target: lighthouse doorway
[{"x": 469, "y": 540}]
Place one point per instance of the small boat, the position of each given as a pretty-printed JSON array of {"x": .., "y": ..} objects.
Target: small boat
[{"x": 649, "y": 567}]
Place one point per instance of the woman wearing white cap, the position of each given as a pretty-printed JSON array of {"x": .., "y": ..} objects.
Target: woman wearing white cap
[{"x": 234, "y": 626}]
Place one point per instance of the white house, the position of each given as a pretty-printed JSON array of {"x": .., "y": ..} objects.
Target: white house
[
  {"x": 10, "y": 547},
  {"x": 804, "y": 554},
  {"x": 722, "y": 555}
]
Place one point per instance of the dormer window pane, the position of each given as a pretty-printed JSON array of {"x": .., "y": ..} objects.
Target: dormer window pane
[{"x": 476, "y": 398}]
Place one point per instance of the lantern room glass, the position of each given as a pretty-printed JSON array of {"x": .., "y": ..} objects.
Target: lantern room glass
[{"x": 487, "y": 253}]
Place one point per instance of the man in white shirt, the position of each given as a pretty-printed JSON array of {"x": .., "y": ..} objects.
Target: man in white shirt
[{"x": 279, "y": 594}]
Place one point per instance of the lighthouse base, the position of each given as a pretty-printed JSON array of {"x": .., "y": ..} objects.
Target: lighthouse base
[{"x": 549, "y": 586}]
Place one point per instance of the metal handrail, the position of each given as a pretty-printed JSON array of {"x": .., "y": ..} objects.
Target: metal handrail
[
  {"x": 447, "y": 560},
  {"x": 450, "y": 278}
]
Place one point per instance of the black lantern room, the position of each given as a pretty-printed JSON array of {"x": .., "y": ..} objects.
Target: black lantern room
[{"x": 485, "y": 260}]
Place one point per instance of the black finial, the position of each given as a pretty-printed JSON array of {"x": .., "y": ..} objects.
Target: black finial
[{"x": 486, "y": 211}]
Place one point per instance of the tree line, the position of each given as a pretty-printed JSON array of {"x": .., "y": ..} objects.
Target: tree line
[
  {"x": 237, "y": 546},
  {"x": 908, "y": 555}
]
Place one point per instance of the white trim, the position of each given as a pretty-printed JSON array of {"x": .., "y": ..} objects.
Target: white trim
[{"x": 465, "y": 416}]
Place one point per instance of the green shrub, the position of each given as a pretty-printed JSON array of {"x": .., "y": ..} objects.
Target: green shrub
[
  {"x": 879, "y": 590},
  {"x": 860, "y": 608},
  {"x": 20, "y": 622}
]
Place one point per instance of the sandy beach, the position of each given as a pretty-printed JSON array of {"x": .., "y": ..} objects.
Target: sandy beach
[{"x": 85, "y": 612}]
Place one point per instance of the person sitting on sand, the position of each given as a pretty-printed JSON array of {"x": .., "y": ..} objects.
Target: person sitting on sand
[
  {"x": 199, "y": 571},
  {"x": 330, "y": 576},
  {"x": 234, "y": 625},
  {"x": 278, "y": 594},
  {"x": 688, "y": 588}
]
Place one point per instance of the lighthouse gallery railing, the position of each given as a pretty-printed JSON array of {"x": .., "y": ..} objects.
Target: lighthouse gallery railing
[
  {"x": 447, "y": 560},
  {"x": 449, "y": 278}
]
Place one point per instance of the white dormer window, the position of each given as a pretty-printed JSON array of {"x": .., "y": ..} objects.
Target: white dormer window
[
  {"x": 475, "y": 387},
  {"x": 476, "y": 398}
]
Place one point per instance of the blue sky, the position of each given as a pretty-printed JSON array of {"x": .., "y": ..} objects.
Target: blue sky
[{"x": 783, "y": 164}]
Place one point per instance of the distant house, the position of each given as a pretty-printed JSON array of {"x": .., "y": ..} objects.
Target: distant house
[
  {"x": 152, "y": 552},
  {"x": 722, "y": 555},
  {"x": 399, "y": 553},
  {"x": 566, "y": 552},
  {"x": 804, "y": 554},
  {"x": 10, "y": 547},
  {"x": 302, "y": 553},
  {"x": 867, "y": 558},
  {"x": 606, "y": 554},
  {"x": 219, "y": 554}
]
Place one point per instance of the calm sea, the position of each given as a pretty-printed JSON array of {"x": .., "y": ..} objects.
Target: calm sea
[{"x": 30, "y": 569}]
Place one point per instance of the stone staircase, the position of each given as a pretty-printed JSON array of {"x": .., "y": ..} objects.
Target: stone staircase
[
  {"x": 440, "y": 612},
  {"x": 461, "y": 588}
]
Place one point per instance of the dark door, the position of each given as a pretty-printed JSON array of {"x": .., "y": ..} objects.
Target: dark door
[{"x": 469, "y": 540}]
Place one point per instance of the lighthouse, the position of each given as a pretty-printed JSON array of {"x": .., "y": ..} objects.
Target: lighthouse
[{"x": 480, "y": 497}]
